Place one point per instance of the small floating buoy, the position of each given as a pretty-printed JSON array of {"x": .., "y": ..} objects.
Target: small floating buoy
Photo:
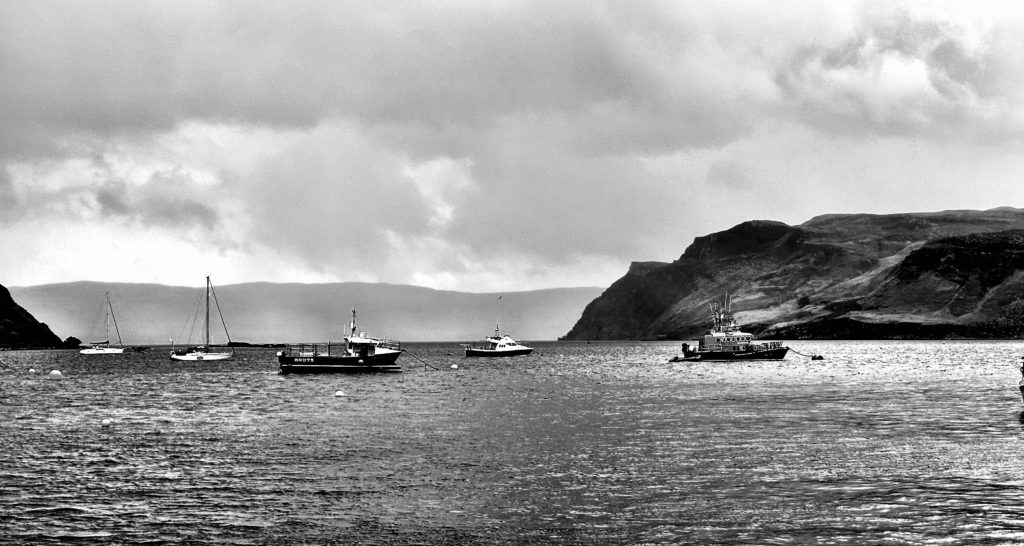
[
  {"x": 817, "y": 357},
  {"x": 339, "y": 393},
  {"x": 105, "y": 423},
  {"x": 55, "y": 374},
  {"x": 455, "y": 366},
  {"x": 31, "y": 370}
]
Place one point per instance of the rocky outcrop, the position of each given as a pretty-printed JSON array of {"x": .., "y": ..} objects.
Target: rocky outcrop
[
  {"x": 915, "y": 275},
  {"x": 19, "y": 329}
]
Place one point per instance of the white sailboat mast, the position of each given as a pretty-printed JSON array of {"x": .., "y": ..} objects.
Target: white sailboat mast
[
  {"x": 106, "y": 330},
  {"x": 110, "y": 315},
  {"x": 206, "y": 320}
]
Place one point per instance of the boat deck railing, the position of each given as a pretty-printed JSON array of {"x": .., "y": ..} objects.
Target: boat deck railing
[
  {"x": 313, "y": 349},
  {"x": 758, "y": 346}
]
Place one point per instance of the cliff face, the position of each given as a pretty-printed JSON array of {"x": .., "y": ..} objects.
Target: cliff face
[
  {"x": 19, "y": 329},
  {"x": 916, "y": 275}
]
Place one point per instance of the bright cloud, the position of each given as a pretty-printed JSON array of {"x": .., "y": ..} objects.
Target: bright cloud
[{"x": 480, "y": 146}]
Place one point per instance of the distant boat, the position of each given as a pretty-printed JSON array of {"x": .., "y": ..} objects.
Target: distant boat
[
  {"x": 499, "y": 345},
  {"x": 725, "y": 341},
  {"x": 1020, "y": 384},
  {"x": 359, "y": 353},
  {"x": 103, "y": 347},
  {"x": 205, "y": 351}
]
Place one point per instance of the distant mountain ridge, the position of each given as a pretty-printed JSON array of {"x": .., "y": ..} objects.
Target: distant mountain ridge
[
  {"x": 149, "y": 314},
  {"x": 956, "y": 273}
]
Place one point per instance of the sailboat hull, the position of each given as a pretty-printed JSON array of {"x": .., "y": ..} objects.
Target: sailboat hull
[
  {"x": 196, "y": 356},
  {"x": 102, "y": 351}
]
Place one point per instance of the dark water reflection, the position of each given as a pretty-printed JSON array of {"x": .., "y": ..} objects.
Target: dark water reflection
[{"x": 894, "y": 443}]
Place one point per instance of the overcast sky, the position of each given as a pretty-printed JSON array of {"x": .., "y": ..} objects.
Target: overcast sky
[{"x": 480, "y": 146}]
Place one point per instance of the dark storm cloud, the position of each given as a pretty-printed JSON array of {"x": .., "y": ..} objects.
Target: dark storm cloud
[
  {"x": 619, "y": 77},
  {"x": 109, "y": 68},
  {"x": 166, "y": 199}
]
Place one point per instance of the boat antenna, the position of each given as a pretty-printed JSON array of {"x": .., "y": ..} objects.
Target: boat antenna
[
  {"x": 497, "y": 332},
  {"x": 352, "y": 326}
]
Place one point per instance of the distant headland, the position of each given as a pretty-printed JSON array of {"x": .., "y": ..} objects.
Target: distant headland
[{"x": 937, "y": 275}]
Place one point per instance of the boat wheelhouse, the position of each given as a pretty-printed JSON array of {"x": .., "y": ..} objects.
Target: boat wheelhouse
[{"x": 359, "y": 353}]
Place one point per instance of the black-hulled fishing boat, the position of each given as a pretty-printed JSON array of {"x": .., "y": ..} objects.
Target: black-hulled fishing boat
[
  {"x": 725, "y": 341},
  {"x": 358, "y": 353}
]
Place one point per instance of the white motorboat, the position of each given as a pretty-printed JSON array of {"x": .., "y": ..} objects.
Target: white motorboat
[{"x": 499, "y": 345}]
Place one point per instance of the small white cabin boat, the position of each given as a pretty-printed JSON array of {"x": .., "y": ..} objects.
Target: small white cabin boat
[{"x": 499, "y": 345}]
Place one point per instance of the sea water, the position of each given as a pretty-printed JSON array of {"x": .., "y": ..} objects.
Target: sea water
[{"x": 600, "y": 443}]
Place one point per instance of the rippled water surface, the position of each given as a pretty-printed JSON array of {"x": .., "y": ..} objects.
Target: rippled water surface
[{"x": 603, "y": 443}]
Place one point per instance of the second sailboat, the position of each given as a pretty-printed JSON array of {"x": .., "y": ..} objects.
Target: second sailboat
[{"x": 205, "y": 351}]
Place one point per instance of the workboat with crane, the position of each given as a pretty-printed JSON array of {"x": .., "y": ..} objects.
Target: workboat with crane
[
  {"x": 359, "y": 353},
  {"x": 725, "y": 341}
]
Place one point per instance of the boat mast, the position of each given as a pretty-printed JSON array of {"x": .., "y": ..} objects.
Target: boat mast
[
  {"x": 220, "y": 313},
  {"x": 206, "y": 320},
  {"x": 110, "y": 315},
  {"x": 106, "y": 316},
  {"x": 351, "y": 331}
]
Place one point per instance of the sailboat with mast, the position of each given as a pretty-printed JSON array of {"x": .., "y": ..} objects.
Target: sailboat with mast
[
  {"x": 103, "y": 347},
  {"x": 205, "y": 351}
]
